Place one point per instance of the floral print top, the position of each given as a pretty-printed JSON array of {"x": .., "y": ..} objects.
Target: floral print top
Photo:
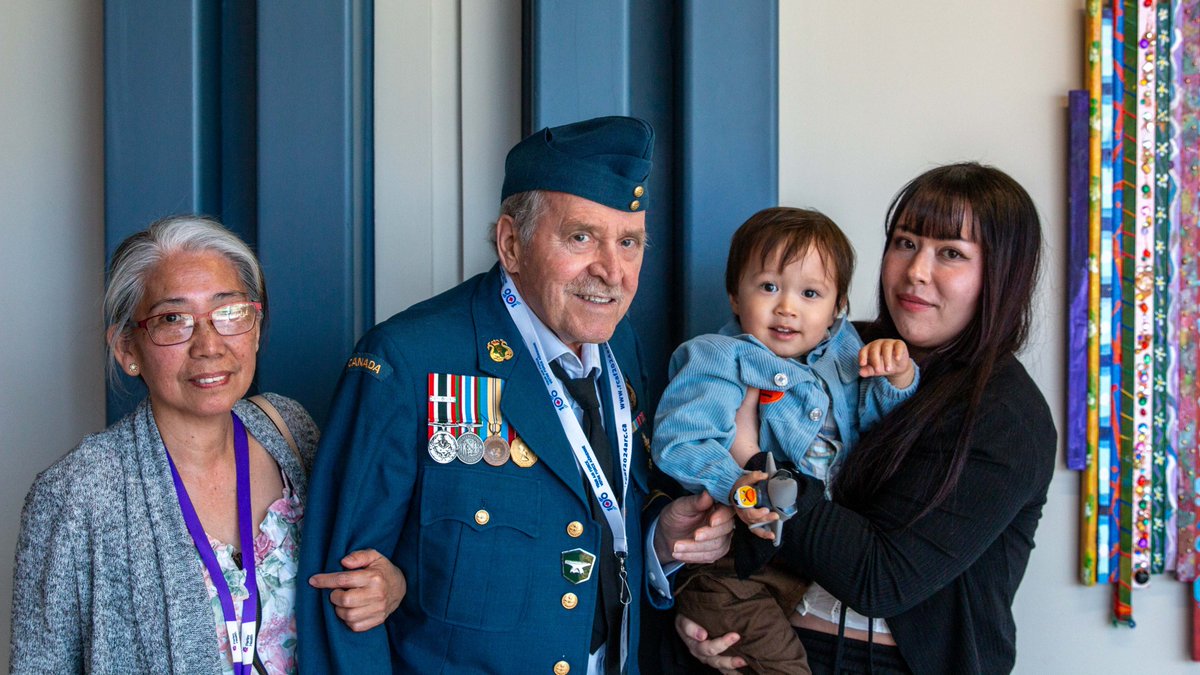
[{"x": 276, "y": 558}]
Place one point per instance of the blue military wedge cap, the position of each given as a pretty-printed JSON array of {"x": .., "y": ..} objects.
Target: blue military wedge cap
[{"x": 605, "y": 160}]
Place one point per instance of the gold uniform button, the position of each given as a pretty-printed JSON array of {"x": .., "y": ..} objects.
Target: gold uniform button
[
  {"x": 639, "y": 191},
  {"x": 574, "y": 528},
  {"x": 570, "y": 600},
  {"x": 482, "y": 517},
  {"x": 562, "y": 668},
  {"x": 633, "y": 205}
]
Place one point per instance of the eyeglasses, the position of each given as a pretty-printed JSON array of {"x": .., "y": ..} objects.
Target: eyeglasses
[{"x": 172, "y": 328}]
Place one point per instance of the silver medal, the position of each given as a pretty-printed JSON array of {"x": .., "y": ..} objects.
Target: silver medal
[
  {"x": 442, "y": 447},
  {"x": 470, "y": 447}
]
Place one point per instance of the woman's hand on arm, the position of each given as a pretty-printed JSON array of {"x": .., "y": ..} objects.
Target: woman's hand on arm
[
  {"x": 366, "y": 593},
  {"x": 710, "y": 652}
]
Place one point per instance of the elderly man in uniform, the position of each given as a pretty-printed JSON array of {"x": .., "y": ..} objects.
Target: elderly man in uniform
[{"x": 492, "y": 442}]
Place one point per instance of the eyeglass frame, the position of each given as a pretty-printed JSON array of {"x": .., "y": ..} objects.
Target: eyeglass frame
[{"x": 197, "y": 318}]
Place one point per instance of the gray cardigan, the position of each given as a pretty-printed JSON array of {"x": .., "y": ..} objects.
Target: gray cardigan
[{"x": 107, "y": 578}]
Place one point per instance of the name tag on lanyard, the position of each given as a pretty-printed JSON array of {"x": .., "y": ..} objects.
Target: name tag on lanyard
[{"x": 243, "y": 634}]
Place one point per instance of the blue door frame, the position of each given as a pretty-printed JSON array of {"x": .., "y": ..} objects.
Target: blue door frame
[
  {"x": 258, "y": 114},
  {"x": 705, "y": 74}
]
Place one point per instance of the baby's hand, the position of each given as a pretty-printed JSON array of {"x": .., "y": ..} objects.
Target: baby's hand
[
  {"x": 753, "y": 516},
  {"x": 888, "y": 358}
]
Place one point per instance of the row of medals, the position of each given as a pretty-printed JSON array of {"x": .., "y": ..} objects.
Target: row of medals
[{"x": 469, "y": 448}]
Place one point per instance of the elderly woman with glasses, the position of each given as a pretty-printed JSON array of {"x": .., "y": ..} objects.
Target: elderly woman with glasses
[{"x": 168, "y": 542}]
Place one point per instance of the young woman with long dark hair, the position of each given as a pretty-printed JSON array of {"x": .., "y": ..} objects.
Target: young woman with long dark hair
[{"x": 933, "y": 515}]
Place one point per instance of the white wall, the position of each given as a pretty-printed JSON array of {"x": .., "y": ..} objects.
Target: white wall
[
  {"x": 51, "y": 248},
  {"x": 447, "y": 109},
  {"x": 874, "y": 93}
]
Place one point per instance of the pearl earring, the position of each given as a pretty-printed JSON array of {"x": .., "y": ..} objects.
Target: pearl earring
[{"x": 133, "y": 369}]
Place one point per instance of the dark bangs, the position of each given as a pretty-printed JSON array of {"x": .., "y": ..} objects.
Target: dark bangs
[
  {"x": 928, "y": 208},
  {"x": 793, "y": 244}
]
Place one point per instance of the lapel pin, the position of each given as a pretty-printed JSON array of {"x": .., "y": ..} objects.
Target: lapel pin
[{"x": 499, "y": 350}]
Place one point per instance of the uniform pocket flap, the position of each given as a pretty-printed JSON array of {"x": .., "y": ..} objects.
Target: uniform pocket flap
[{"x": 481, "y": 500}]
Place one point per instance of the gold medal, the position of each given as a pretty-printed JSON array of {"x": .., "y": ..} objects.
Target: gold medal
[
  {"x": 632, "y": 395},
  {"x": 522, "y": 456}
]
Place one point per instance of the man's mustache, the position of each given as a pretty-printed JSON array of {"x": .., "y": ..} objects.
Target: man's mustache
[{"x": 592, "y": 286}]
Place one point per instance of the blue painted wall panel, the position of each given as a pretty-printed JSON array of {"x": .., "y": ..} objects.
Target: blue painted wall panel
[
  {"x": 286, "y": 165},
  {"x": 314, "y": 203},
  {"x": 729, "y": 119},
  {"x": 578, "y": 60},
  {"x": 161, "y": 137},
  {"x": 705, "y": 75},
  {"x": 656, "y": 310},
  {"x": 239, "y": 119}
]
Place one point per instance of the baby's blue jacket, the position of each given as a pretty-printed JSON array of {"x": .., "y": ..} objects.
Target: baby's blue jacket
[{"x": 709, "y": 374}]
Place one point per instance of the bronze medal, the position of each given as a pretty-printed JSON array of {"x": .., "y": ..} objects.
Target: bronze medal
[
  {"x": 522, "y": 455},
  {"x": 495, "y": 450}
]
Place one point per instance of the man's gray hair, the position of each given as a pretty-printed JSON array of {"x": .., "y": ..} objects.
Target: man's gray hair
[
  {"x": 526, "y": 209},
  {"x": 137, "y": 256}
]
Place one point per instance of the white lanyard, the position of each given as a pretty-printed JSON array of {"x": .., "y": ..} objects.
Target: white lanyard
[{"x": 614, "y": 513}]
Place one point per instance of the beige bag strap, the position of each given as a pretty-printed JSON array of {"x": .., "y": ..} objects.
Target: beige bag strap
[{"x": 273, "y": 413}]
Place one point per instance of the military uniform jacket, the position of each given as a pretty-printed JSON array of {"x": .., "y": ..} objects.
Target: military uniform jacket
[{"x": 480, "y": 545}]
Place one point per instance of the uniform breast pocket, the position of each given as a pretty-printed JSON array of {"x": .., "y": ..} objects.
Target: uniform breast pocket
[{"x": 475, "y": 529}]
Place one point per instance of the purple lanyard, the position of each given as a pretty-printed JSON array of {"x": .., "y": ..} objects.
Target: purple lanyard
[{"x": 242, "y": 638}]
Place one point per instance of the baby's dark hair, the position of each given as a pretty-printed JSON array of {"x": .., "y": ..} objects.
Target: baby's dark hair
[{"x": 790, "y": 233}]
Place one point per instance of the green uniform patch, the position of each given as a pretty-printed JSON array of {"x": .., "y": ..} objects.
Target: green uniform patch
[{"x": 577, "y": 565}]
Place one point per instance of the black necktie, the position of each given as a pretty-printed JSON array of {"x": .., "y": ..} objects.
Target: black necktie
[
  {"x": 583, "y": 391},
  {"x": 606, "y": 627}
]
